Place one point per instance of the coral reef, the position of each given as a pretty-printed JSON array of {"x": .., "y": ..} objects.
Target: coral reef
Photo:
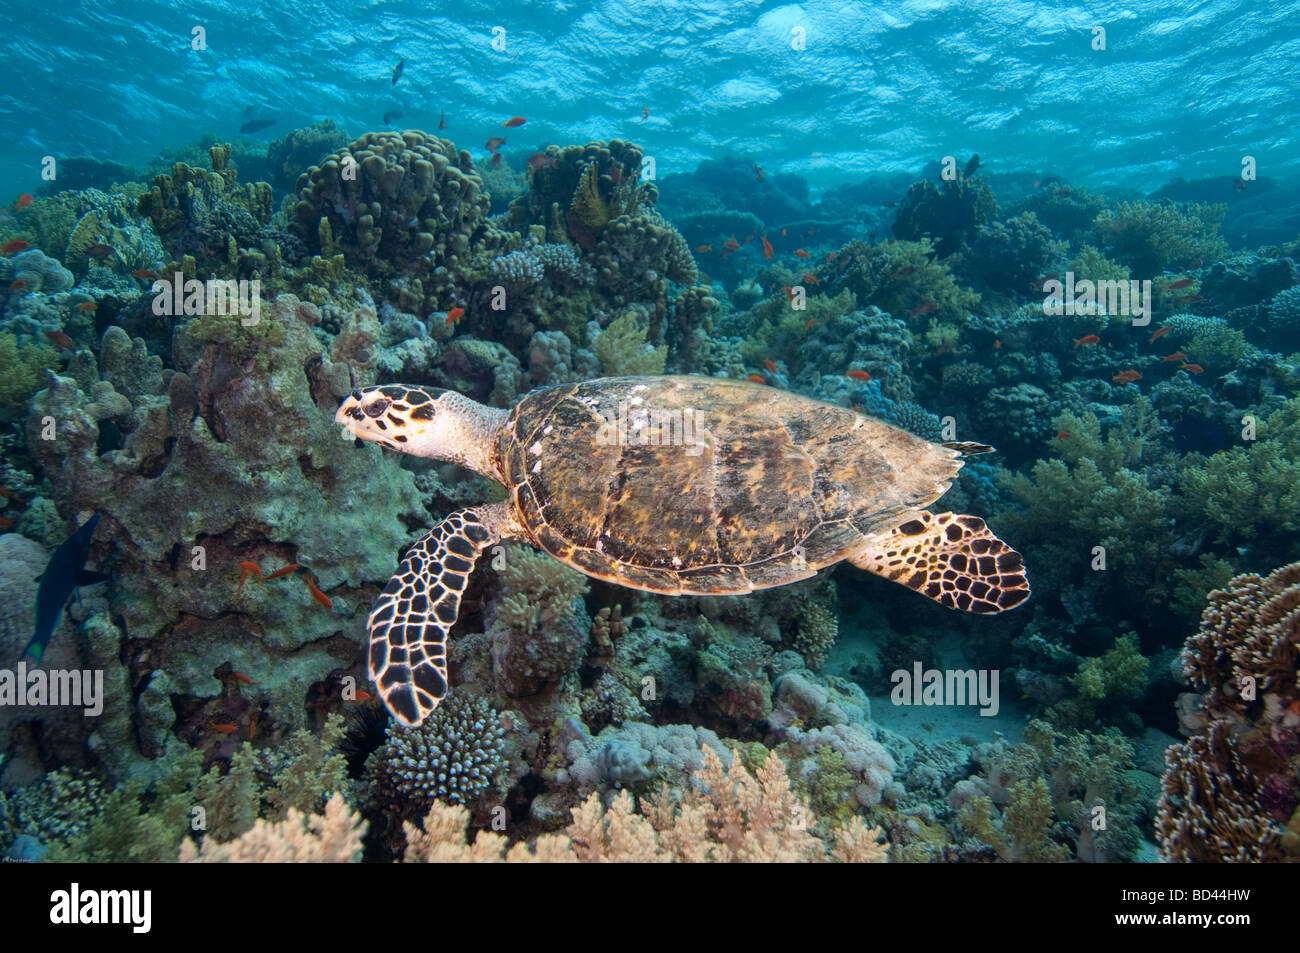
[
  {"x": 948, "y": 214},
  {"x": 455, "y": 756},
  {"x": 1231, "y": 790},
  {"x": 1150, "y": 237}
]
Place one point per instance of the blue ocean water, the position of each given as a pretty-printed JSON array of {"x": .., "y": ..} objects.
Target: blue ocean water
[
  {"x": 1179, "y": 90},
  {"x": 859, "y": 229}
]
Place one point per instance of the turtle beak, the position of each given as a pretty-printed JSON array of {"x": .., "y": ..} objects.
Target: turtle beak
[{"x": 349, "y": 411}]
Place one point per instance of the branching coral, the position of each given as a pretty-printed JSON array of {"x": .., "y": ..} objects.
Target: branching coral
[
  {"x": 905, "y": 278},
  {"x": 1010, "y": 254},
  {"x": 1150, "y": 237},
  {"x": 332, "y": 838},
  {"x": 949, "y": 215},
  {"x": 24, "y": 373},
  {"x": 730, "y": 815},
  {"x": 454, "y": 756},
  {"x": 1230, "y": 791},
  {"x": 622, "y": 349}
]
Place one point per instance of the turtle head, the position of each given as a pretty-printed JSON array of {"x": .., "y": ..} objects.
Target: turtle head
[{"x": 424, "y": 421}]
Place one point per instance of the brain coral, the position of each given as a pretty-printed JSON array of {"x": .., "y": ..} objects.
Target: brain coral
[{"x": 1232, "y": 792}]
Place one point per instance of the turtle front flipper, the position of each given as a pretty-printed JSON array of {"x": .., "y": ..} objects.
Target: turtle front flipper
[
  {"x": 411, "y": 619},
  {"x": 955, "y": 560}
]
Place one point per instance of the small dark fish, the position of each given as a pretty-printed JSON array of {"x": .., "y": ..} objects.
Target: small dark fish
[
  {"x": 442, "y": 119},
  {"x": 257, "y": 125},
  {"x": 100, "y": 251},
  {"x": 61, "y": 341},
  {"x": 64, "y": 574},
  {"x": 972, "y": 165},
  {"x": 391, "y": 115},
  {"x": 398, "y": 70}
]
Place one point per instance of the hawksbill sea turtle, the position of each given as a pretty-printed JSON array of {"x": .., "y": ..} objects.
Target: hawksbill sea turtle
[{"x": 676, "y": 485}]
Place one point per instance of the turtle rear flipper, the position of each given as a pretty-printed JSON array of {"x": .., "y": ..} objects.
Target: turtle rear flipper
[
  {"x": 411, "y": 619},
  {"x": 955, "y": 560}
]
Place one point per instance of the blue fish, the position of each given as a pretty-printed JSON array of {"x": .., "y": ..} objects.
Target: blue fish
[{"x": 64, "y": 573}]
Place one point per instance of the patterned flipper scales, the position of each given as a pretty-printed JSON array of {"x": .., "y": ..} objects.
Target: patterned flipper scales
[
  {"x": 411, "y": 619},
  {"x": 955, "y": 560}
]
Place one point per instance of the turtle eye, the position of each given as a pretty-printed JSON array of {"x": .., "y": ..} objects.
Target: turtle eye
[{"x": 377, "y": 408}]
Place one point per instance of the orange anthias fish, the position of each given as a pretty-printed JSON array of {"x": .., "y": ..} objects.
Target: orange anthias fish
[
  {"x": 514, "y": 121},
  {"x": 800, "y": 253},
  {"x": 645, "y": 114},
  {"x": 859, "y": 375},
  {"x": 703, "y": 248},
  {"x": 1176, "y": 356},
  {"x": 442, "y": 119},
  {"x": 920, "y": 309},
  {"x": 495, "y": 143},
  {"x": 282, "y": 572},
  {"x": 783, "y": 233},
  {"x": 244, "y": 679},
  {"x": 1087, "y": 339},
  {"x": 1160, "y": 332},
  {"x": 1193, "y": 369},
  {"x": 61, "y": 341},
  {"x": 496, "y": 160},
  {"x": 757, "y": 379},
  {"x": 770, "y": 366},
  {"x": 768, "y": 250},
  {"x": 758, "y": 171},
  {"x": 1182, "y": 283},
  {"x": 454, "y": 315},
  {"x": 809, "y": 325},
  {"x": 250, "y": 569},
  {"x": 1188, "y": 299},
  {"x": 1126, "y": 377},
  {"x": 1062, "y": 434},
  {"x": 87, "y": 306},
  {"x": 15, "y": 246},
  {"x": 731, "y": 244},
  {"x": 318, "y": 595},
  {"x": 225, "y": 729},
  {"x": 17, "y": 285},
  {"x": 6, "y": 522},
  {"x": 810, "y": 279},
  {"x": 144, "y": 274},
  {"x": 788, "y": 291},
  {"x": 997, "y": 344},
  {"x": 24, "y": 200}
]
